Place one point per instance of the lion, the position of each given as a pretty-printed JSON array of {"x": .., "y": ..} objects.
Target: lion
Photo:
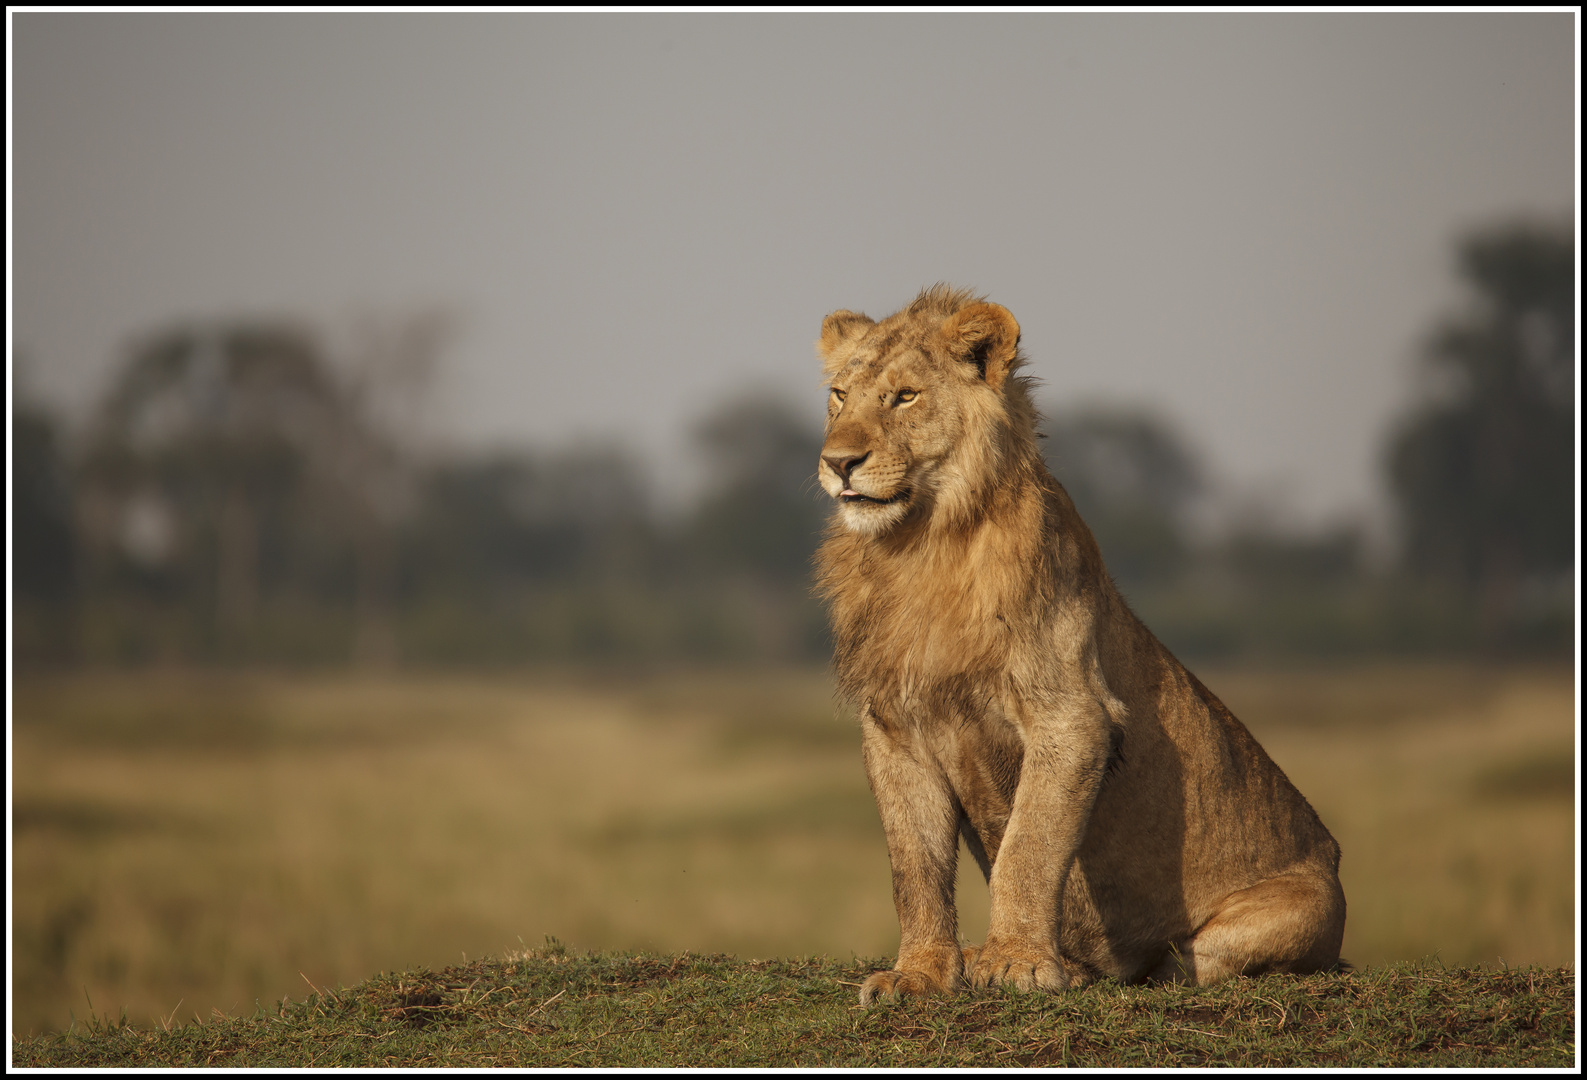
[{"x": 1128, "y": 826}]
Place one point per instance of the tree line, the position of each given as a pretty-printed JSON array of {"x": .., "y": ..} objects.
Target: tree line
[{"x": 241, "y": 496}]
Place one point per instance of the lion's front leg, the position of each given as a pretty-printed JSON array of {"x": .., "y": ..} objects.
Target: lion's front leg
[
  {"x": 1066, "y": 756},
  {"x": 920, "y": 818}
]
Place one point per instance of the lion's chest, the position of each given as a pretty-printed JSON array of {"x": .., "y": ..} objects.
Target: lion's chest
[{"x": 928, "y": 630}]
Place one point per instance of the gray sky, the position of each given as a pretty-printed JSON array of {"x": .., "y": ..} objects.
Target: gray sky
[{"x": 1244, "y": 220}]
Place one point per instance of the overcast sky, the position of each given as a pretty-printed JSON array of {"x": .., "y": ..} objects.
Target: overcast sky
[{"x": 1245, "y": 221}]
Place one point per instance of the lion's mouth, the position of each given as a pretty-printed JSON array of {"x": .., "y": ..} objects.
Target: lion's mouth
[{"x": 849, "y": 495}]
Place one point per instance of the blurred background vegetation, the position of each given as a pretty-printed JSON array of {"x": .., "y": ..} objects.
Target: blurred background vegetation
[{"x": 242, "y": 496}]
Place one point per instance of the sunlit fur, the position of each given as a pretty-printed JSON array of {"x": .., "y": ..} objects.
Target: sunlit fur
[{"x": 1128, "y": 825}]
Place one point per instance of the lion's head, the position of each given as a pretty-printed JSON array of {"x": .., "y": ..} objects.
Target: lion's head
[{"x": 924, "y": 410}]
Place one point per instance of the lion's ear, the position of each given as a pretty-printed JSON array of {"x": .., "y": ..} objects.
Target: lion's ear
[
  {"x": 841, "y": 326},
  {"x": 987, "y": 336}
]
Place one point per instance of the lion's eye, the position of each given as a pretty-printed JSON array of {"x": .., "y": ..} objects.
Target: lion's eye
[
  {"x": 905, "y": 397},
  {"x": 837, "y": 395}
]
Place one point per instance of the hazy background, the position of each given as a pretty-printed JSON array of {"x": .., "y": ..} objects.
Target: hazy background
[
  {"x": 414, "y": 418},
  {"x": 1243, "y": 220}
]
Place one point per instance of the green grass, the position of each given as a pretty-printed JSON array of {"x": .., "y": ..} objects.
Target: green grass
[{"x": 549, "y": 1009}]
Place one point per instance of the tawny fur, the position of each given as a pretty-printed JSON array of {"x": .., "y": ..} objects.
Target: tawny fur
[{"x": 1127, "y": 823}]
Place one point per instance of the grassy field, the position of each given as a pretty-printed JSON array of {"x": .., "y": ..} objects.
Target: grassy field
[
  {"x": 550, "y": 1009},
  {"x": 191, "y": 844}
]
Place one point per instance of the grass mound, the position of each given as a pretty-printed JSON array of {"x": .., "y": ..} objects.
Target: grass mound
[{"x": 549, "y": 1008}]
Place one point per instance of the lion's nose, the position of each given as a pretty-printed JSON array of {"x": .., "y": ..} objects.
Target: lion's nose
[{"x": 842, "y": 464}]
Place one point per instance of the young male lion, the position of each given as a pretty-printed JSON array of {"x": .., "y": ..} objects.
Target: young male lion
[{"x": 1127, "y": 824}]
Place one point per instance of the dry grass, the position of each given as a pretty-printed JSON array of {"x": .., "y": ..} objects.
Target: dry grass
[{"x": 185, "y": 843}]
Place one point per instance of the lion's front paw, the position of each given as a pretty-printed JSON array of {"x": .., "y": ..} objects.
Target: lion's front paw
[
  {"x": 1018, "y": 965},
  {"x": 910, "y": 983}
]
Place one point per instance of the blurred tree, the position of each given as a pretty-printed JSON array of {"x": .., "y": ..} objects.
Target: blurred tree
[
  {"x": 755, "y": 530},
  {"x": 1133, "y": 479},
  {"x": 229, "y": 460},
  {"x": 483, "y": 526},
  {"x": 1483, "y": 473},
  {"x": 388, "y": 367},
  {"x": 763, "y": 511},
  {"x": 44, "y": 578},
  {"x": 42, "y": 536},
  {"x": 1266, "y": 557}
]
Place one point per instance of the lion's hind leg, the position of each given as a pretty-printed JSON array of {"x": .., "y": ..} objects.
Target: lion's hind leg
[{"x": 1292, "y": 923}]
